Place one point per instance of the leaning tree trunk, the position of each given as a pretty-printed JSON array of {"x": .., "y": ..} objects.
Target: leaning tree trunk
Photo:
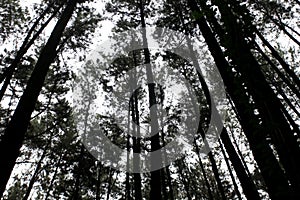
[
  {"x": 208, "y": 187},
  {"x": 27, "y": 43},
  {"x": 247, "y": 184},
  {"x": 14, "y": 134},
  {"x": 38, "y": 168},
  {"x": 230, "y": 171},
  {"x": 285, "y": 79},
  {"x": 264, "y": 97},
  {"x": 282, "y": 62},
  {"x": 263, "y": 154},
  {"x": 54, "y": 176}
]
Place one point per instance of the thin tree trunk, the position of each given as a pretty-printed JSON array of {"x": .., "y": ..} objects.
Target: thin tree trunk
[
  {"x": 164, "y": 185},
  {"x": 287, "y": 33},
  {"x": 76, "y": 192},
  {"x": 288, "y": 101},
  {"x": 208, "y": 187},
  {"x": 230, "y": 172},
  {"x": 53, "y": 177},
  {"x": 282, "y": 62},
  {"x": 127, "y": 180},
  {"x": 35, "y": 174},
  {"x": 136, "y": 138},
  {"x": 155, "y": 182},
  {"x": 109, "y": 184},
  {"x": 211, "y": 158},
  {"x": 287, "y": 26},
  {"x": 246, "y": 182},
  {"x": 210, "y": 155},
  {"x": 181, "y": 164},
  {"x": 280, "y": 74},
  {"x": 217, "y": 175},
  {"x": 166, "y": 176},
  {"x": 7, "y": 76},
  {"x": 282, "y": 27},
  {"x": 267, "y": 102},
  {"x": 242, "y": 158},
  {"x": 292, "y": 122},
  {"x": 98, "y": 190},
  {"x": 292, "y": 29},
  {"x": 14, "y": 134},
  {"x": 25, "y": 42},
  {"x": 167, "y": 180}
]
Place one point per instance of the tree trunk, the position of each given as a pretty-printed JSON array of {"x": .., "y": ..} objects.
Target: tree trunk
[
  {"x": 53, "y": 177},
  {"x": 166, "y": 175},
  {"x": 136, "y": 138},
  {"x": 128, "y": 147},
  {"x": 185, "y": 180},
  {"x": 276, "y": 55},
  {"x": 14, "y": 134},
  {"x": 277, "y": 70},
  {"x": 292, "y": 122},
  {"x": 109, "y": 184},
  {"x": 25, "y": 42},
  {"x": 217, "y": 175},
  {"x": 127, "y": 180},
  {"x": 267, "y": 103},
  {"x": 155, "y": 182},
  {"x": 35, "y": 174},
  {"x": 167, "y": 179},
  {"x": 282, "y": 27},
  {"x": 77, "y": 173},
  {"x": 98, "y": 186},
  {"x": 208, "y": 187},
  {"x": 7, "y": 76},
  {"x": 230, "y": 172},
  {"x": 274, "y": 177},
  {"x": 211, "y": 158},
  {"x": 247, "y": 184},
  {"x": 288, "y": 101}
]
